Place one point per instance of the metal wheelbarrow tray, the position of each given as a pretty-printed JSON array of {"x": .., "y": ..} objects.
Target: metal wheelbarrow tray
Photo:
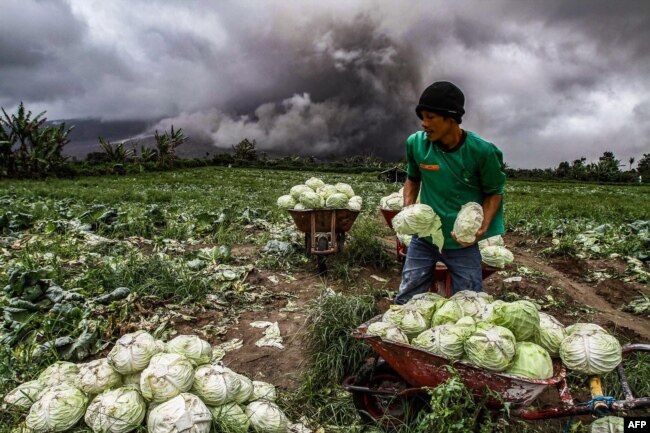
[{"x": 335, "y": 222}]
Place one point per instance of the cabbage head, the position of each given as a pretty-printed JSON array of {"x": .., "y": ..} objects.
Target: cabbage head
[
  {"x": 521, "y": 317},
  {"x": 132, "y": 380},
  {"x": 580, "y": 327},
  {"x": 297, "y": 190},
  {"x": 337, "y": 201},
  {"x": 591, "y": 352},
  {"x": 426, "y": 306},
  {"x": 58, "y": 373},
  {"x": 394, "y": 201},
  {"x": 407, "y": 319},
  {"x": 97, "y": 376},
  {"x": 216, "y": 384},
  {"x": 167, "y": 375},
  {"x": 132, "y": 352},
  {"x": 443, "y": 340},
  {"x": 192, "y": 347},
  {"x": 116, "y": 411},
  {"x": 314, "y": 183},
  {"x": 263, "y": 391},
  {"x": 421, "y": 220},
  {"x": 326, "y": 190},
  {"x": 185, "y": 413},
  {"x": 608, "y": 424},
  {"x": 491, "y": 241},
  {"x": 230, "y": 418},
  {"x": 245, "y": 392},
  {"x": 266, "y": 417},
  {"x": 531, "y": 361},
  {"x": 387, "y": 331},
  {"x": 470, "y": 302},
  {"x": 550, "y": 335},
  {"x": 468, "y": 323},
  {"x": 286, "y": 202},
  {"x": 491, "y": 347},
  {"x": 311, "y": 200},
  {"x": 345, "y": 189},
  {"x": 496, "y": 256},
  {"x": 355, "y": 202},
  {"x": 24, "y": 395},
  {"x": 59, "y": 408},
  {"x": 468, "y": 221},
  {"x": 405, "y": 239},
  {"x": 299, "y": 206},
  {"x": 447, "y": 313}
]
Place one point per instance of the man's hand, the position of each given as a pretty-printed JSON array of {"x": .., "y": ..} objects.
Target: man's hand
[{"x": 479, "y": 234}]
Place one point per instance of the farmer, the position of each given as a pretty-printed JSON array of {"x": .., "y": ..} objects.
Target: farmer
[{"x": 449, "y": 166}]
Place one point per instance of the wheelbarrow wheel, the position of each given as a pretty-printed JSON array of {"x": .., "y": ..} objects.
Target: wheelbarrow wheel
[{"x": 380, "y": 409}]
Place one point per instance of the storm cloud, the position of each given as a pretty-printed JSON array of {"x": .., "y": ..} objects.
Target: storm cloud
[{"x": 545, "y": 81}]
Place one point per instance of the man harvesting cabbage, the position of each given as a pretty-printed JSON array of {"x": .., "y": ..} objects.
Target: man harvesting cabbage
[{"x": 450, "y": 167}]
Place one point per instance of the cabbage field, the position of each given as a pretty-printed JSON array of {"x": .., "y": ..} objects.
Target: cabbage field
[{"x": 207, "y": 252}]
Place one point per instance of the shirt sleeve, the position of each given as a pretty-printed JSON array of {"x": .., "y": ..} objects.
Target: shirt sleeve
[
  {"x": 412, "y": 167},
  {"x": 493, "y": 175}
]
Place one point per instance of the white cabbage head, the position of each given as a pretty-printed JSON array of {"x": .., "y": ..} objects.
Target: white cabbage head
[
  {"x": 263, "y": 391},
  {"x": 521, "y": 317},
  {"x": 245, "y": 392},
  {"x": 119, "y": 410},
  {"x": 393, "y": 201},
  {"x": 496, "y": 256},
  {"x": 355, "y": 202},
  {"x": 551, "y": 334},
  {"x": 471, "y": 303},
  {"x": 591, "y": 352},
  {"x": 132, "y": 380},
  {"x": 97, "y": 376},
  {"x": 311, "y": 200},
  {"x": 24, "y": 395},
  {"x": 447, "y": 313},
  {"x": 531, "y": 361},
  {"x": 167, "y": 375},
  {"x": 299, "y": 206},
  {"x": 326, "y": 190},
  {"x": 297, "y": 190},
  {"x": 608, "y": 424},
  {"x": 468, "y": 221},
  {"x": 337, "y": 200},
  {"x": 266, "y": 417},
  {"x": 426, "y": 306},
  {"x": 58, "y": 373},
  {"x": 230, "y": 418},
  {"x": 491, "y": 241},
  {"x": 192, "y": 347},
  {"x": 405, "y": 239},
  {"x": 59, "y": 408},
  {"x": 407, "y": 318},
  {"x": 387, "y": 331},
  {"x": 421, "y": 220},
  {"x": 581, "y": 327},
  {"x": 286, "y": 202},
  {"x": 216, "y": 384},
  {"x": 345, "y": 189},
  {"x": 132, "y": 352},
  {"x": 314, "y": 183},
  {"x": 185, "y": 413},
  {"x": 490, "y": 346},
  {"x": 443, "y": 340}
]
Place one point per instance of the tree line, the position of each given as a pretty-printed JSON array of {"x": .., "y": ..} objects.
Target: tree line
[{"x": 29, "y": 148}]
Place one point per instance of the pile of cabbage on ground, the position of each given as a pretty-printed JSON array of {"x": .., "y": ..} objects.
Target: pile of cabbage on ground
[
  {"x": 171, "y": 386},
  {"x": 316, "y": 194},
  {"x": 509, "y": 337}
]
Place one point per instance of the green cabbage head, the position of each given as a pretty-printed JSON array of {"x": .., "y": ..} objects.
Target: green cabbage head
[
  {"x": 496, "y": 256},
  {"x": 443, "y": 340},
  {"x": 468, "y": 221},
  {"x": 387, "y": 331},
  {"x": 263, "y": 391},
  {"x": 266, "y": 417},
  {"x": 491, "y": 347},
  {"x": 531, "y": 361},
  {"x": 216, "y": 384},
  {"x": 326, "y": 190},
  {"x": 345, "y": 189},
  {"x": 421, "y": 220},
  {"x": 314, "y": 183},
  {"x": 591, "y": 352},
  {"x": 407, "y": 318},
  {"x": 132, "y": 352},
  {"x": 185, "y": 413},
  {"x": 58, "y": 373},
  {"x": 337, "y": 201},
  {"x": 447, "y": 313},
  {"x": 167, "y": 375},
  {"x": 97, "y": 376},
  {"x": 355, "y": 202},
  {"x": 245, "y": 392},
  {"x": 59, "y": 408},
  {"x": 297, "y": 190},
  {"x": 550, "y": 335},
  {"x": 24, "y": 395},
  {"x": 521, "y": 317},
  {"x": 394, "y": 201},
  {"x": 286, "y": 202},
  {"x": 471, "y": 303},
  {"x": 608, "y": 424},
  {"x": 426, "y": 305},
  {"x": 230, "y": 418},
  {"x": 119, "y": 410},
  {"x": 311, "y": 200},
  {"x": 192, "y": 347}
]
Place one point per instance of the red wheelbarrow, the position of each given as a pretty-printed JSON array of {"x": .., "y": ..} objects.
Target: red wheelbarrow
[{"x": 391, "y": 388}]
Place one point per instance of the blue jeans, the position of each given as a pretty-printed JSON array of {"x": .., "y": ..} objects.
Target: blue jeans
[{"x": 464, "y": 266}]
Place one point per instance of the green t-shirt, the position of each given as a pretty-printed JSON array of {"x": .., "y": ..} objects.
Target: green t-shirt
[{"x": 449, "y": 179}]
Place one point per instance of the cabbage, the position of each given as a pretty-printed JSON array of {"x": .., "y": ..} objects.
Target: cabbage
[
  {"x": 266, "y": 417},
  {"x": 314, "y": 183},
  {"x": 311, "y": 200},
  {"x": 491, "y": 241},
  {"x": 405, "y": 239},
  {"x": 192, "y": 347},
  {"x": 299, "y": 206},
  {"x": 132, "y": 380},
  {"x": 345, "y": 189},
  {"x": 591, "y": 352},
  {"x": 286, "y": 202},
  {"x": 97, "y": 376},
  {"x": 447, "y": 313},
  {"x": 394, "y": 201},
  {"x": 407, "y": 319},
  {"x": 550, "y": 335},
  {"x": 216, "y": 384},
  {"x": 387, "y": 331},
  {"x": 531, "y": 361},
  {"x": 132, "y": 352},
  {"x": 468, "y": 323},
  {"x": 326, "y": 190},
  {"x": 468, "y": 221},
  {"x": 470, "y": 302},
  {"x": 608, "y": 424},
  {"x": 58, "y": 409},
  {"x": 490, "y": 346},
  {"x": 245, "y": 391},
  {"x": 185, "y": 413},
  {"x": 263, "y": 391},
  {"x": 421, "y": 220},
  {"x": 117, "y": 411},
  {"x": 521, "y": 317},
  {"x": 58, "y": 373},
  {"x": 296, "y": 191},
  {"x": 426, "y": 306},
  {"x": 444, "y": 340},
  {"x": 337, "y": 200},
  {"x": 578, "y": 328},
  {"x": 230, "y": 418},
  {"x": 496, "y": 256},
  {"x": 24, "y": 395},
  {"x": 167, "y": 375},
  {"x": 355, "y": 202}
]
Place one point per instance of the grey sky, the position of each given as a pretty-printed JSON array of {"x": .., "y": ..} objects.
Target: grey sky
[{"x": 546, "y": 81}]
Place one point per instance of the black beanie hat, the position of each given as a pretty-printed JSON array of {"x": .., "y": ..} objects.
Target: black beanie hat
[{"x": 444, "y": 98}]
